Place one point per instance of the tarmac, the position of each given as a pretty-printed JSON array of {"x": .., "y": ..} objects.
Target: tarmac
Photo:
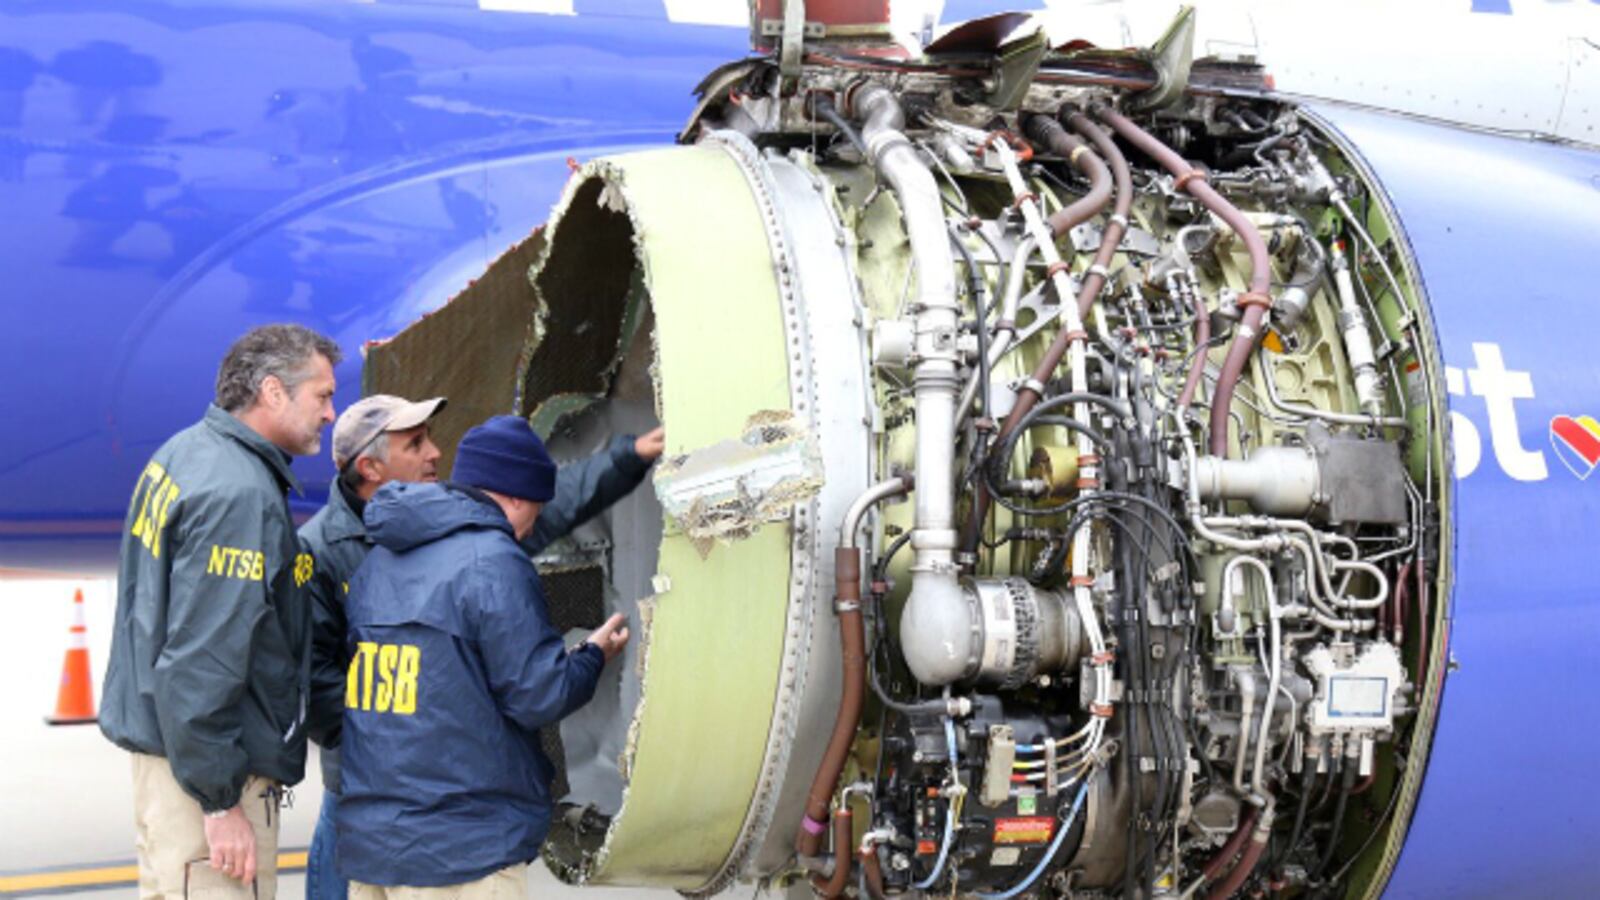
[{"x": 66, "y": 817}]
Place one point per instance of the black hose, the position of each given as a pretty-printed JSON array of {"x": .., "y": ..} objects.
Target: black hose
[
  {"x": 822, "y": 105},
  {"x": 975, "y": 290},
  {"x": 1307, "y": 779},
  {"x": 879, "y": 573},
  {"x": 880, "y": 569},
  {"x": 1338, "y": 821}
]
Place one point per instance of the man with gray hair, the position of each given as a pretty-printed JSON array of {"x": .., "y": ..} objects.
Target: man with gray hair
[
  {"x": 208, "y": 682},
  {"x": 382, "y": 439}
]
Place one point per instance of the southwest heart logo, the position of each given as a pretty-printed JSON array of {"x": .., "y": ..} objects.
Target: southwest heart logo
[{"x": 1577, "y": 443}]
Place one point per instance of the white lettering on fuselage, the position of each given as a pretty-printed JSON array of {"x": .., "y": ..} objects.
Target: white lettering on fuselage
[{"x": 1500, "y": 389}]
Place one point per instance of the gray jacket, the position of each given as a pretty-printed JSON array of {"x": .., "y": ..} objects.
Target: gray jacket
[
  {"x": 337, "y": 539},
  {"x": 210, "y": 650}
]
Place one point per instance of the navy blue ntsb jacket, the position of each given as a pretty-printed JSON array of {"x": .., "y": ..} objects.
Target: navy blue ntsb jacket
[{"x": 454, "y": 667}]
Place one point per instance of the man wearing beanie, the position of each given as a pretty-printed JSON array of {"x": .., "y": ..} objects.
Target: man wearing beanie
[
  {"x": 454, "y": 668},
  {"x": 379, "y": 439}
]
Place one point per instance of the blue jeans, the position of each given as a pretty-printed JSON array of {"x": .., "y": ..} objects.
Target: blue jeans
[{"x": 323, "y": 881}]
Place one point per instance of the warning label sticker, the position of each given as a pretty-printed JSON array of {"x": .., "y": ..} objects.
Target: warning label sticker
[
  {"x": 1416, "y": 384},
  {"x": 1026, "y": 830}
]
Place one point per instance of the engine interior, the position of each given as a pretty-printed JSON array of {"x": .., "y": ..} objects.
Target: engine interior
[{"x": 1130, "y": 583}]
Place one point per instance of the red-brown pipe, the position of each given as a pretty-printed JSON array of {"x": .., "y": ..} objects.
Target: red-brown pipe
[
  {"x": 1397, "y": 605},
  {"x": 1364, "y": 784},
  {"x": 852, "y": 638},
  {"x": 1111, "y": 239},
  {"x": 1050, "y": 133},
  {"x": 1202, "y": 337},
  {"x": 1232, "y": 847},
  {"x": 1422, "y": 624},
  {"x": 1026, "y": 397},
  {"x": 1046, "y": 131},
  {"x": 835, "y": 884},
  {"x": 873, "y": 871},
  {"x": 1247, "y": 864},
  {"x": 1255, "y": 301}
]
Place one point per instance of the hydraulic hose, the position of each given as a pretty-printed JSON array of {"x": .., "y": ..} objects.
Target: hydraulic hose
[
  {"x": 1254, "y": 301},
  {"x": 822, "y": 106},
  {"x": 853, "y": 659},
  {"x": 1247, "y": 862},
  {"x": 981, "y": 312},
  {"x": 834, "y": 885},
  {"x": 1339, "y": 806},
  {"x": 871, "y": 868},
  {"x": 1232, "y": 847},
  {"x": 1046, "y": 131},
  {"x": 1117, "y": 225},
  {"x": 1202, "y": 337}
]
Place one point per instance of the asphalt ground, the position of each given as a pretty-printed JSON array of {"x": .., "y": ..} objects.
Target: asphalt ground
[{"x": 66, "y": 808}]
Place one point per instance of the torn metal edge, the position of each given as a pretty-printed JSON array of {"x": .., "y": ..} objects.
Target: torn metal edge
[
  {"x": 612, "y": 197},
  {"x": 728, "y": 490}
]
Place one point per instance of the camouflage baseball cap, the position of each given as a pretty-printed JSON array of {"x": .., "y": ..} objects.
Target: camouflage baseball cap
[{"x": 364, "y": 420}]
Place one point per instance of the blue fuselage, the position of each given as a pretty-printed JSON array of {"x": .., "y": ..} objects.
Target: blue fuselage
[{"x": 172, "y": 174}]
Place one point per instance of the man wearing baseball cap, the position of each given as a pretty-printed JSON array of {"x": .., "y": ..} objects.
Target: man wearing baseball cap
[
  {"x": 381, "y": 439},
  {"x": 455, "y": 667}
]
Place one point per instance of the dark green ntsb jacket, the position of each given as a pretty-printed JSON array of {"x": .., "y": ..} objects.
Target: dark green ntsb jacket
[
  {"x": 210, "y": 652},
  {"x": 337, "y": 540}
]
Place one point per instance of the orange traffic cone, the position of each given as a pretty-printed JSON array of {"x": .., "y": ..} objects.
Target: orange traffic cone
[{"x": 75, "y": 700}]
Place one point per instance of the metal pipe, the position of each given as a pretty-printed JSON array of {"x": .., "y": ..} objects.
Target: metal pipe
[
  {"x": 1274, "y": 670},
  {"x": 1311, "y": 412},
  {"x": 1245, "y": 680},
  {"x": 1255, "y": 301},
  {"x": 1205, "y": 527},
  {"x": 936, "y": 600},
  {"x": 1028, "y": 394},
  {"x": 1357, "y": 339},
  {"x": 853, "y": 659},
  {"x": 1202, "y": 337},
  {"x": 1073, "y": 338},
  {"x": 869, "y": 861},
  {"x": 834, "y": 885},
  {"x": 1005, "y": 327},
  {"x": 872, "y": 496}
]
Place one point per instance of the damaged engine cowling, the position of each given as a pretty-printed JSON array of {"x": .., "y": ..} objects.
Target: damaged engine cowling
[{"x": 1049, "y": 491}]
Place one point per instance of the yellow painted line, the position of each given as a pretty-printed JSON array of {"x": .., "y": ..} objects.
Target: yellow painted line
[{"x": 106, "y": 876}]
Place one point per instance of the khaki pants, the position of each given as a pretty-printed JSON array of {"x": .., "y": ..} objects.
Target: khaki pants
[
  {"x": 510, "y": 883},
  {"x": 171, "y": 841}
]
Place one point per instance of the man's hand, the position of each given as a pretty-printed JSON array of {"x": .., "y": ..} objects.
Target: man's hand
[
  {"x": 233, "y": 844},
  {"x": 650, "y": 446},
  {"x": 613, "y": 635}
]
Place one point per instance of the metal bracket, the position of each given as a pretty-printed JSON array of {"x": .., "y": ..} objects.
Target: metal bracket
[
  {"x": 1172, "y": 56},
  {"x": 1043, "y": 313},
  {"x": 1015, "y": 67},
  {"x": 789, "y": 53}
]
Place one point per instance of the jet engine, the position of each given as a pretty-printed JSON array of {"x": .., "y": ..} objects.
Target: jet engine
[{"x": 1052, "y": 496}]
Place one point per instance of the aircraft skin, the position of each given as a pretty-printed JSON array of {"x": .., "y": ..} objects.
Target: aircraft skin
[{"x": 172, "y": 174}]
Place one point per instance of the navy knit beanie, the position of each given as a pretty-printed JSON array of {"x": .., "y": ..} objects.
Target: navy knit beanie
[{"x": 505, "y": 456}]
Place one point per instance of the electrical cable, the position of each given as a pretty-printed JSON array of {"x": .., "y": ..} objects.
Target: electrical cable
[
  {"x": 975, "y": 290},
  {"x": 949, "y": 811},
  {"x": 1049, "y": 855}
]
